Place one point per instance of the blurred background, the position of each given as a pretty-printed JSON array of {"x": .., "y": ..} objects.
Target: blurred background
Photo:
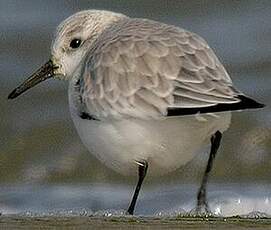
[{"x": 39, "y": 145}]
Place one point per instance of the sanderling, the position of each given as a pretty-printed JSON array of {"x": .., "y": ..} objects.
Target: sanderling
[{"x": 143, "y": 95}]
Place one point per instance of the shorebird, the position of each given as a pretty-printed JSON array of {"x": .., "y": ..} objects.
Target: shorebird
[{"x": 144, "y": 96}]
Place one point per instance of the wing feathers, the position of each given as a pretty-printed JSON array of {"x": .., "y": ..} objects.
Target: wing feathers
[
  {"x": 169, "y": 67},
  {"x": 158, "y": 49},
  {"x": 150, "y": 70}
]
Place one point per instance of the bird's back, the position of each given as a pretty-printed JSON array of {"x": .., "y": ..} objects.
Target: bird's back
[
  {"x": 140, "y": 78},
  {"x": 146, "y": 69}
]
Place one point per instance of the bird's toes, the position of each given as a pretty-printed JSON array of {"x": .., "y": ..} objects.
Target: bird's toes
[{"x": 201, "y": 210}]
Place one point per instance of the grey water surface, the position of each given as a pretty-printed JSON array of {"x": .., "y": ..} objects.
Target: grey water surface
[{"x": 44, "y": 168}]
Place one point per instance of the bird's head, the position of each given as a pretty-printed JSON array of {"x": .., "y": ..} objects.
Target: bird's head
[{"x": 74, "y": 39}]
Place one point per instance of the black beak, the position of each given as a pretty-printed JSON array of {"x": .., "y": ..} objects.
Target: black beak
[{"x": 43, "y": 73}]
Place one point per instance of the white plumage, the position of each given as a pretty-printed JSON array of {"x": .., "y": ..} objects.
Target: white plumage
[
  {"x": 131, "y": 83},
  {"x": 137, "y": 69},
  {"x": 166, "y": 144}
]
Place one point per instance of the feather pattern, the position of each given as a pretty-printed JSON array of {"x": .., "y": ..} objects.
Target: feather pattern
[{"x": 140, "y": 68}]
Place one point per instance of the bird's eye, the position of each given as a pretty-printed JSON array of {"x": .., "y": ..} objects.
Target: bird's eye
[{"x": 75, "y": 43}]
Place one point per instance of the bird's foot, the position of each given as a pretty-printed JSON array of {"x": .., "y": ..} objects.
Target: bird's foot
[{"x": 201, "y": 210}]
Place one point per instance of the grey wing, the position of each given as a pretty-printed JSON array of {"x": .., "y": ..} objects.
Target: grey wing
[{"x": 148, "y": 76}]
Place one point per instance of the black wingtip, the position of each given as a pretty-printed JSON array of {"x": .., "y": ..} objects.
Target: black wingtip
[
  {"x": 248, "y": 103},
  {"x": 244, "y": 103}
]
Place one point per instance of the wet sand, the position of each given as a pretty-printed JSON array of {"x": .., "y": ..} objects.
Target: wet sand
[{"x": 20, "y": 222}]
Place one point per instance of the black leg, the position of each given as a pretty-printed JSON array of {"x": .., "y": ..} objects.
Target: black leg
[
  {"x": 202, "y": 201},
  {"x": 142, "y": 171}
]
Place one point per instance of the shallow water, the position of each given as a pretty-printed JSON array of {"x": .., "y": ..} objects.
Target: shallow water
[
  {"x": 225, "y": 200},
  {"x": 87, "y": 207}
]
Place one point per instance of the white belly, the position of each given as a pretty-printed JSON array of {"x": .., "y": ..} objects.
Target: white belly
[{"x": 165, "y": 144}]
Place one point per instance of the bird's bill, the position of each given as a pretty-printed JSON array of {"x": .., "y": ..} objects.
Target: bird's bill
[{"x": 43, "y": 73}]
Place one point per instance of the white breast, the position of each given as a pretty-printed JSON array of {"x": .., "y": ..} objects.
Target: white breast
[{"x": 166, "y": 144}]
